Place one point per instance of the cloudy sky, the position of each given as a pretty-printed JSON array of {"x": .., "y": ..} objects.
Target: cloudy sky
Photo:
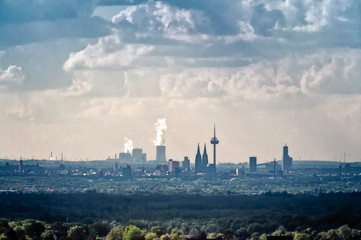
[{"x": 79, "y": 77}]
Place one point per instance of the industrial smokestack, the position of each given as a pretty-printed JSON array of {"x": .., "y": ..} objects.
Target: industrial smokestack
[
  {"x": 160, "y": 154},
  {"x": 161, "y": 127}
]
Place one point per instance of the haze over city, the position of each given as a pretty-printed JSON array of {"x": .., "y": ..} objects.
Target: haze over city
[{"x": 84, "y": 77}]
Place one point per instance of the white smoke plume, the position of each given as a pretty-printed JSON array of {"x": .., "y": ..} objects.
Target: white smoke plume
[
  {"x": 128, "y": 145},
  {"x": 161, "y": 126}
]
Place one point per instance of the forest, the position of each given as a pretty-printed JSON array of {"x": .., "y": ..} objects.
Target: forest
[
  {"x": 193, "y": 185},
  {"x": 30, "y": 229},
  {"x": 224, "y": 216}
]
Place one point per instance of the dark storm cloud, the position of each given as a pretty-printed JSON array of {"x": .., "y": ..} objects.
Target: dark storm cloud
[
  {"x": 264, "y": 21},
  {"x": 26, "y": 21},
  {"x": 44, "y": 10}
]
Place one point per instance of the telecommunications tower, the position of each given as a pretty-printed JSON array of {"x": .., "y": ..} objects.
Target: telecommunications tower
[{"x": 214, "y": 141}]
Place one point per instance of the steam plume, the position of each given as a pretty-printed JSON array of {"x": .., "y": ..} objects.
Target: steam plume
[
  {"x": 128, "y": 145},
  {"x": 161, "y": 126}
]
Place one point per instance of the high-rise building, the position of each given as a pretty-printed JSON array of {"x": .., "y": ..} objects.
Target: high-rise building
[
  {"x": 286, "y": 160},
  {"x": 214, "y": 141},
  {"x": 253, "y": 164},
  {"x": 173, "y": 166},
  {"x": 115, "y": 167},
  {"x": 160, "y": 170},
  {"x": 160, "y": 154},
  {"x": 240, "y": 172},
  {"x": 186, "y": 163},
  {"x": 7, "y": 167},
  {"x": 20, "y": 166},
  {"x": 198, "y": 161}
]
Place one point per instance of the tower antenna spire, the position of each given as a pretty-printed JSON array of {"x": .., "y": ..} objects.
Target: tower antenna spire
[{"x": 214, "y": 142}]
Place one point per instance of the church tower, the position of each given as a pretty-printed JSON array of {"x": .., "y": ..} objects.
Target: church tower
[
  {"x": 198, "y": 161},
  {"x": 204, "y": 159}
]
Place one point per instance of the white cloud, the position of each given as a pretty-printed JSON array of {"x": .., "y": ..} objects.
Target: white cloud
[
  {"x": 78, "y": 88},
  {"x": 333, "y": 73},
  {"x": 192, "y": 84},
  {"x": 325, "y": 72},
  {"x": 157, "y": 17},
  {"x": 108, "y": 53},
  {"x": 262, "y": 81},
  {"x": 246, "y": 33},
  {"x": 11, "y": 76},
  {"x": 316, "y": 17},
  {"x": 286, "y": 68},
  {"x": 23, "y": 107}
]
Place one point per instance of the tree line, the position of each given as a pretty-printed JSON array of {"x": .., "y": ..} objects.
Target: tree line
[{"x": 30, "y": 229}]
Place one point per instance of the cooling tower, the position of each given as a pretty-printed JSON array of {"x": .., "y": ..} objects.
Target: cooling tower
[{"x": 160, "y": 154}]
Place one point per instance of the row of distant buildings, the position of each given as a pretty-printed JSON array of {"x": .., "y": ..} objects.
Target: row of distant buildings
[
  {"x": 137, "y": 156},
  {"x": 172, "y": 168},
  {"x": 201, "y": 163},
  {"x": 202, "y": 166},
  {"x": 287, "y": 162}
]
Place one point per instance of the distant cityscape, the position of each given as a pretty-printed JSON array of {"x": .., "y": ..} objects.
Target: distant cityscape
[
  {"x": 134, "y": 163},
  {"x": 130, "y": 182}
]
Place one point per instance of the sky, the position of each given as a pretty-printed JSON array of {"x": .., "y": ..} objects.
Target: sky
[{"x": 84, "y": 77}]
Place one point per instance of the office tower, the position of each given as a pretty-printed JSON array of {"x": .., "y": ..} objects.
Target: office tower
[
  {"x": 173, "y": 166},
  {"x": 115, "y": 167},
  {"x": 253, "y": 164},
  {"x": 198, "y": 161},
  {"x": 240, "y": 172},
  {"x": 214, "y": 141},
  {"x": 7, "y": 167},
  {"x": 286, "y": 160},
  {"x": 186, "y": 163},
  {"x": 20, "y": 166},
  {"x": 274, "y": 167},
  {"x": 160, "y": 154}
]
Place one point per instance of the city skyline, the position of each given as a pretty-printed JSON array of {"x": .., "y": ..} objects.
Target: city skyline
[{"x": 80, "y": 78}]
